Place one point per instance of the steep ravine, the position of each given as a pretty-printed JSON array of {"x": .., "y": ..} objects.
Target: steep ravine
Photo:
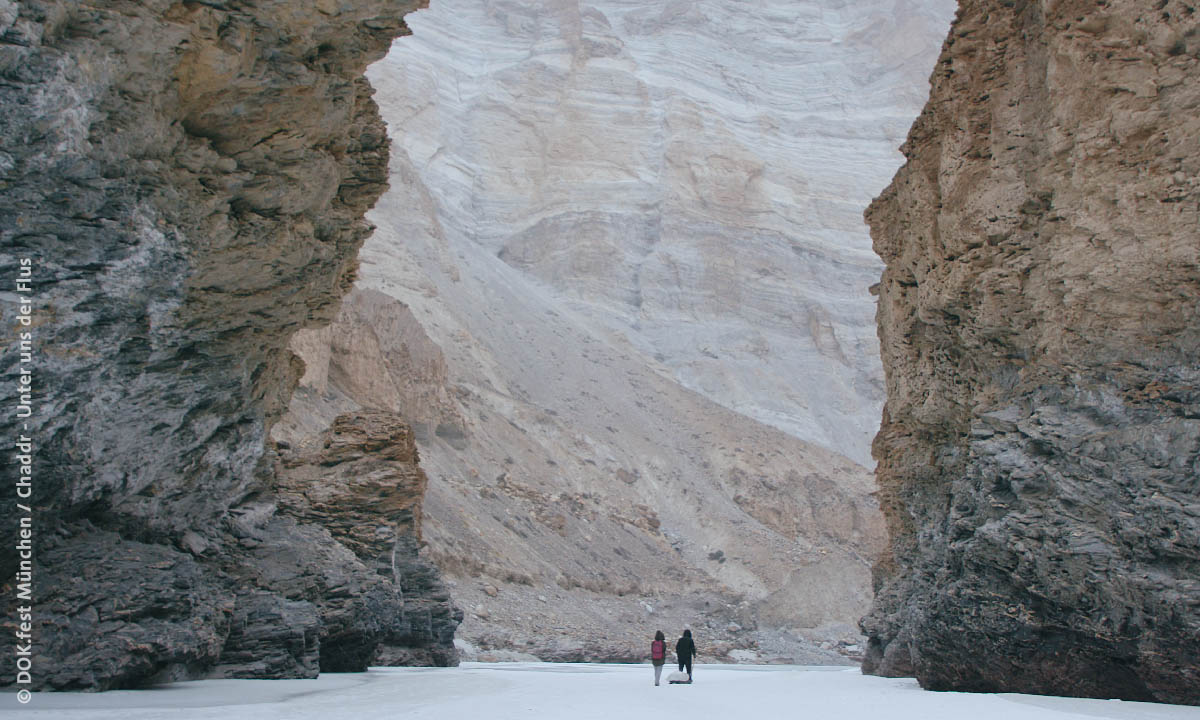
[
  {"x": 188, "y": 182},
  {"x": 1039, "y": 457},
  {"x": 630, "y": 232},
  {"x": 688, "y": 178}
]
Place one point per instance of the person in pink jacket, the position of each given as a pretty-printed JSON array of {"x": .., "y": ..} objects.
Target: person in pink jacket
[{"x": 658, "y": 654}]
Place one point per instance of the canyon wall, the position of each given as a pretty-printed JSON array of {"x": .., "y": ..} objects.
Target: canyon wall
[
  {"x": 187, "y": 183},
  {"x": 1039, "y": 457}
]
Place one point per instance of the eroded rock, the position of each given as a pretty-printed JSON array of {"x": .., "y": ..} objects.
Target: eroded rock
[
  {"x": 188, "y": 182},
  {"x": 360, "y": 482},
  {"x": 1040, "y": 447}
]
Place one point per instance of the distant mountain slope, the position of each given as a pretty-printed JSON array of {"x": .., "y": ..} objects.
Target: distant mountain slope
[
  {"x": 628, "y": 244},
  {"x": 689, "y": 175}
]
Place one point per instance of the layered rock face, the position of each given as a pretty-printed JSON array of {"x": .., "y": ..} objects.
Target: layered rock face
[
  {"x": 188, "y": 183},
  {"x": 360, "y": 480},
  {"x": 688, "y": 175},
  {"x": 1040, "y": 449},
  {"x": 625, "y": 238}
]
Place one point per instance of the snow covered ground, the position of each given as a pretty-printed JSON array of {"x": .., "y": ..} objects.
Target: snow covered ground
[{"x": 577, "y": 692}]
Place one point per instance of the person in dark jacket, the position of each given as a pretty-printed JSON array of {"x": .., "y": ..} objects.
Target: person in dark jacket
[
  {"x": 685, "y": 650},
  {"x": 658, "y": 654}
]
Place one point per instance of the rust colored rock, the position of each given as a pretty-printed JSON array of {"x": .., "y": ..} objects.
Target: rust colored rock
[
  {"x": 360, "y": 481},
  {"x": 1040, "y": 447}
]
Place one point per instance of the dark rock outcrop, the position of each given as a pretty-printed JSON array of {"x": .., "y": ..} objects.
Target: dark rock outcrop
[
  {"x": 270, "y": 636},
  {"x": 361, "y": 482},
  {"x": 1039, "y": 457},
  {"x": 188, "y": 183},
  {"x": 115, "y": 613}
]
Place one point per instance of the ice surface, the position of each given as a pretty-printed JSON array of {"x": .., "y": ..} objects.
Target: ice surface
[{"x": 577, "y": 692}]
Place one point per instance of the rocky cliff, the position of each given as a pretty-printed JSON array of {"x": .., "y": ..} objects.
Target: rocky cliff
[
  {"x": 1040, "y": 448},
  {"x": 187, "y": 182}
]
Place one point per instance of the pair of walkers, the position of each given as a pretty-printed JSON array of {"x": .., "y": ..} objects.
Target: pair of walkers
[{"x": 685, "y": 652}]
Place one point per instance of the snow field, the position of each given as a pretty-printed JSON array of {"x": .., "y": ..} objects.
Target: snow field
[{"x": 575, "y": 692}]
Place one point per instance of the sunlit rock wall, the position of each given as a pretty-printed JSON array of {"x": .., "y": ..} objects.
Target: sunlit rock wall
[{"x": 1039, "y": 459}]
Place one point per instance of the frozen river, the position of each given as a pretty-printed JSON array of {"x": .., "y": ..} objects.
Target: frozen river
[{"x": 572, "y": 692}]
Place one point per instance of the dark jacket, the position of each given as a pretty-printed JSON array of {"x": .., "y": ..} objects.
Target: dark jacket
[{"x": 685, "y": 649}]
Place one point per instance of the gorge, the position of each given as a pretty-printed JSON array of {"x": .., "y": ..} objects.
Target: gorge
[
  {"x": 625, "y": 423},
  {"x": 603, "y": 398}
]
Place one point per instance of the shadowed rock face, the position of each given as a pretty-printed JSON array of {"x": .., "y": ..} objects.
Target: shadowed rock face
[
  {"x": 188, "y": 181},
  {"x": 1039, "y": 457}
]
